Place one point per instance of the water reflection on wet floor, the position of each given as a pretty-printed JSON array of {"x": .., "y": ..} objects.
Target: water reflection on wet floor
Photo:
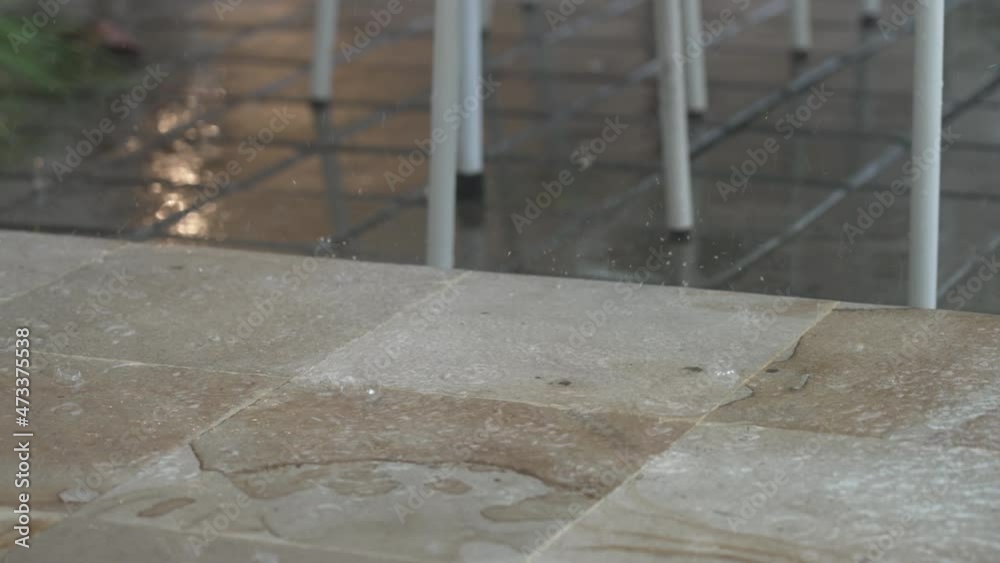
[{"x": 230, "y": 78}]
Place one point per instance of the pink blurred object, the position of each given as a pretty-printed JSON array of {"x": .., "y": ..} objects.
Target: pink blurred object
[{"x": 116, "y": 39}]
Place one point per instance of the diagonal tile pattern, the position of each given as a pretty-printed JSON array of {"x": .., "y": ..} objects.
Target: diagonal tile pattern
[
  {"x": 458, "y": 416},
  {"x": 578, "y": 345},
  {"x": 138, "y": 305},
  {"x": 99, "y": 421},
  {"x": 747, "y": 493},
  {"x": 31, "y": 261},
  {"x": 193, "y": 404},
  {"x": 897, "y": 374}
]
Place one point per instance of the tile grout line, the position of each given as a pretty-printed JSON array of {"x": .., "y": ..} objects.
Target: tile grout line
[
  {"x": 190, "y": 441},
  {"x": 123, "y": 362},
  {"x": 553, "y": 406},
  {"x": 398, "y": 314},
  {"x": 185, "y": 441},
  {"x": 391, "y": 209},
  {"x": 831, "y": 306},
  {"x": 274, "y": 389},
  {"x": 118, "y": 247},
  {"x": 96, "y": 260},
  {"x": 251, "y": 539}
]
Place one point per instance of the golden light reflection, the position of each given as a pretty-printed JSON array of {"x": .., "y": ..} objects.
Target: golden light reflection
[
  {"x": 180, "y": 168},
  {"x": 172, "y": 203},
  {"x": 192, "y": 225}
]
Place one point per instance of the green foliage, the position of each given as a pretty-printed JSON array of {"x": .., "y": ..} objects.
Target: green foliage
[
  {"x": 60, "y": 65},
  {"x": 32, "y": 61}
]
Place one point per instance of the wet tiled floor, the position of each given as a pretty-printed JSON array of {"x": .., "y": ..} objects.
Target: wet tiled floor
[
  {"x": 787, "y": 230},
  {"x": 220, "y": 406}
]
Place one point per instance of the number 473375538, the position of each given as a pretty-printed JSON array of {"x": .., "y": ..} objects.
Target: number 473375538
[{"x": 22, "y": 380}]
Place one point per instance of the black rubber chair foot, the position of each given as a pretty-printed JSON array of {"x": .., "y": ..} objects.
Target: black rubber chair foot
[{"x": 470, "y": 187}]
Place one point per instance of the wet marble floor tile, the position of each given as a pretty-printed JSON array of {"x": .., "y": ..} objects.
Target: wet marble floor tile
[
  {"x": 462, "y": 416},
  {"x": 577, "y": 345},
  {"x": 33, "y": 260},
  {"x": 746, "y": 493},
  {"x": 93, "y": 541},
  {"x": 902, "y": 375},
  {"x": 97, "y": 422},
  {"x": 141, "y": 304},
  {"x": 395, "y": 474}
]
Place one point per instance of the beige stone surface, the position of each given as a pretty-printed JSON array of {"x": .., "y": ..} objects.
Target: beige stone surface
[
  {"x": 40, "y": 522},
  {"x": 32, "y": 260},
  {"x": 746, "y": 493},
  {"x": 397, "y": 473},
  {"x": 94, "y": 541},
  {"x": 95, "y": 422},
  {"x": 562, "y": 448},
  {"x": 216, "y": 309},
  {"x": 933, "y": 377},
  {"x": 381, "y": 413},
  {"x": 577, "y": 344},
  {"x": 390, "y": 510}
]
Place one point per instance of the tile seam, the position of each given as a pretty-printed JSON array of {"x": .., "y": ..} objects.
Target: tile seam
[{"x": 829, "y": 307}]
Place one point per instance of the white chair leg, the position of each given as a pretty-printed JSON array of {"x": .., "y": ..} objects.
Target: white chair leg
[
  {"x": 673, "y": 119},
  {"x": 486, "y": 9},
  {"x": 696, "y": 75},
  {"x": 800, "y": 16},
  {"x": 925, "y": 194},
  {"x": 470, "y": 138},
  {"x": 444, "y": 139},
  {"x": 321, "y": 88},
  {"x": 321, "y": 94},
  {"x": 871, "y": 11}
]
